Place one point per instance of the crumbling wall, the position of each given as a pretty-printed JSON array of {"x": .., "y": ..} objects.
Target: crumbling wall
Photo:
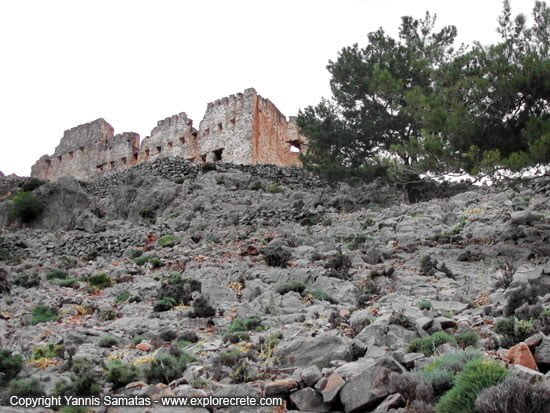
[
  {"x": 276, "y": 141},
  {"x": 173, "y": 136},
  {"x": 225, "y": 132},
  {"x": 242, "y": 129}
]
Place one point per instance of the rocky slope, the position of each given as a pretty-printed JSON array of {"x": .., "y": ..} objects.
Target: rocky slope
[{"x": 171, "y": 279}]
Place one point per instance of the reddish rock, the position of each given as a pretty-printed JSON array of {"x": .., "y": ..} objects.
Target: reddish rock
[
  {"x": 522, "y": 356},
  {"x": 280, "y": 387},
  {"x": 334, "y": 383},
  {"x": 144, "y": 346},
  {"x": 250, "y": 250}
]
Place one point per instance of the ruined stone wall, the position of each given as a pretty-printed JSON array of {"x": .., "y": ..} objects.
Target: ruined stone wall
[
  {"x": 242, "y": 129},
  {"x": 274, "y": 137},
  {"x": 225, "y": 132}
]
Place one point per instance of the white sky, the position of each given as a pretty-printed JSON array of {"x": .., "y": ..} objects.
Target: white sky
[{"x": 133, "y": 62}]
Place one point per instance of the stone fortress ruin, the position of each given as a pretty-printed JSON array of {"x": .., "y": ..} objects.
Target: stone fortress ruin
[{"x": 244, "y": 128}]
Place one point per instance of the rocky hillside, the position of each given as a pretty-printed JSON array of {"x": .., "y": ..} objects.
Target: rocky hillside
[{"x": 171, "y": 279}]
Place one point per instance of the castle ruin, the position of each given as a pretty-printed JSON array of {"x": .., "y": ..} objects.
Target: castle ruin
[{"x": 242, "y": 129}]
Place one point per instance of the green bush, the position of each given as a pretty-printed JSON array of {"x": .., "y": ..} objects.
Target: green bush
[
  {"x": 429, "y": 344},
  {"x": 122, "y": 297},
  {"x": 322, "y": 296},
  {"x": 246, "y": 324},
  {"x": 274, "y": 188},
  {"x": 202, "y": 309},
  {"x": 467, "y": 338},
  {"x": 441, "y": 372},
  {"x": 10, "y": 365},
  {"x": 48, "y": 351},
  {"x": 400, "y": 319},
  {"x": 83, "y": 381},
  {"x": 133, "y": 253},
  {"x": 236, "y": 337},
  {"x": 108, "y": 341},
  {"x": 165, "y": 368},
  {"x": 25, "y": 207},
  {"x": 43, "y": 314},
  {"x": 276, "y": 256},
  {"x": 27, "y": 281},
  {"x": 26, "y": 388},
  {"x": 69, "y": 282},
  {"x": 167, "y": 241},
  {"x": 120, "y": 374},
  {"x": 164, "y": 304},
  {"x": 154, "y": 261},
  {"x": 100, "y": 281},
  {"x": 295, "y": 285},
  {"x": 57, "y": 275},
  {"x": 513, "y": 330},
  {"x": 338, "y": 266},
  {"x": 178, "y": 288},
  {"x": 425, "y": 305},
  {"x": 5, "y": 254},
  {"x": 476, "y": 376}
]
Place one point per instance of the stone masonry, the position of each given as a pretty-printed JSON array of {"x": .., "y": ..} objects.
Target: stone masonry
[{"x": 244, "y": 128}]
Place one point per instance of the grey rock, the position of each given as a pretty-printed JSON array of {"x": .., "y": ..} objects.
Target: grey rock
[
  {"x": 310, "y": 375},
  {"x": 542, "y": 351},
  {"x": 319, "y": 351},
  {"x": 309, "y": 400},
  {"x": 367, "y": 390}
]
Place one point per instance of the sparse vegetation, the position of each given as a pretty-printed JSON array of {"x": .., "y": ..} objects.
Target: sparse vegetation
[
  {"x": 202, "y": 309},
  {"x": 30, "y": 387},
  {"x": 167, "y": 241},
  {"x": 27, "y": 281},
  {"x": 10, "y": 365},
  {"x": 48, "y": 351},
  {"x": 166, "y": 368},
  {"x": 108, "y": 341},
  {"x": 429, "y": 345},
  {"x": 276, "y": 256},
  {"x": 43, "y": 314},
  {"x": 295, "y": 286},
  {"x": 425, "y": 305},
  {"x": 120, "y": 374},
  {"x": 164, "y": 304},
  {"x": 246, "y": 324},
  {"x": 100, "y": 281}
]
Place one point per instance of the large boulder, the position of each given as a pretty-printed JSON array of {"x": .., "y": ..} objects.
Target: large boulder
[
  {"x": 318, "y": 351},
  {"x": 371, "y": 387}
]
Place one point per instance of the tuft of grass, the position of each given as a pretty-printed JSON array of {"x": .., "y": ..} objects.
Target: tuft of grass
[
  {"x": 122, "y": 297},
  {"x": 322, "y": 296},
  {"x": 108, "y": 341},
  {"x": 10, "y": 365},
  {"x": 57, "y": 275},
  {"x": 429, "y": 344},
  {"x": 467, "y": 338},
  {"x": 164, "y": 304},
  {"x": 100, "y": 281},
  {"x": 43, "y": 314},
  {"x": 246, "y": 324},
  {"x": 295, "y": 285},
  {"x": 30, "y": 387},
  {"x": 48, "y": 351},
  {"x": 476, "y": 376},
  {"x": 154, "y": 261},
  {"x": 120, "y": 374},
  {"x": 167, "y": 241},
  {"x": 274, "y": 188},
  {"x": 28, "y": 281}
]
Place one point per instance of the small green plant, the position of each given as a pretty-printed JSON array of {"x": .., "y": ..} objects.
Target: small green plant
[
  {"x": 28, "y": 281},
  {"x": 156, "y": 262},
  {"x": 48, "y": 351},
  {"x": 166, "y": 368},
  {"x": 164, "y": 304},
  {"x": 476, "y": 376},
  {"x": 246, "y": 324},
  {"x": 26, "y": 388},
  {"x": 83, "y": 381},
  {"x": 276, "y": 256},
  {"x": 274, "y": 188},
  {"x": 236, "y": 337},
  {"x": 429, "y": 344},
  {"x": 466, "y": 338},
  {"x": 133, "y": 253},
  {"x": 294, "y": 285},
  {"x": 202, "y": 309},
  {"x": 69, "y": 282},
  {"x": 513, "y": 330},
  {"x": 400, "y": 319},
  {"x": 120, "y": 374},
  {"x": 67, "y": 262},
  {"x": 357, "y": 241},
  {"x": 167, "y": 241},
  {"x": 322, "y": 296},
  {"x": 425, "y": 304},
  {"x": 108, "y": 341},
  {"x": 10, "y": 365},
  {"x": 43, "y": 313},
  {"x": 57, "y": 275},
  {"x": 256, "y": 186},
  {"x": 148, "y": 214},
  {"x": 122, "y": 297},
  {"x": 25, "y": 206},
  {"x": 100, "y": 281}
]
